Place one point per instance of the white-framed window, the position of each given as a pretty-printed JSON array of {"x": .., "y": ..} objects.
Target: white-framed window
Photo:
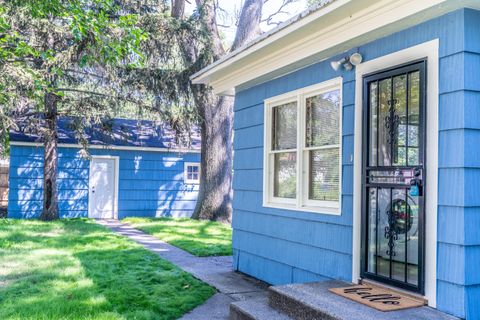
[
  {"x": 192, "y": 172},
  {"x": 303, "y": 149}
]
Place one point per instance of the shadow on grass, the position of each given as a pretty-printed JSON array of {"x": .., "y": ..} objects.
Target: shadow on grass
[
  {"x": 78, "y": 270},
  {"x": 200, "y": 238},
  {"x": 137, "y": 283}
]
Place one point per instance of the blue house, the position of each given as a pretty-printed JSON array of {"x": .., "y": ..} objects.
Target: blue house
[
  {"x": 357, "y": 148},
  {"x": 135, "y": 169}
]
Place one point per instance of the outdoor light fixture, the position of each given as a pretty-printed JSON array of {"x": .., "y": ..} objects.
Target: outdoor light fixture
[
  {"x": 356, "y": 58},
  {"x": 347, "y": 62}
]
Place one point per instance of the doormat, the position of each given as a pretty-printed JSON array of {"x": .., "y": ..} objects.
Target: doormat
[{"x": 378, "y": 298}]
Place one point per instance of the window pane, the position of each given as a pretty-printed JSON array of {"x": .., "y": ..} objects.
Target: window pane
[
  {"x": 285, "y": 175},
  {"x": 399, "y": 155},
  {"x": 384, "y": 204},
  {"x": 284, "y": 129},
  {"x": 193, "y": 172},
  {"x": 413, "y": 118},
  {"x": 322, "y": 125},
  {"x": 372, "y": 229},
  {"x": 324, "y": 181},
  {"x": 373, "y": 108},
  {"x": 384, "y": 143}
]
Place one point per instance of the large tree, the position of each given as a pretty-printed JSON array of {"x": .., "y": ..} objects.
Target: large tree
[
  {"x": 180, "y": 45},
  {"x": 216, "y": 112},
  {"x": 58, "y": 57},
  {"x": 83, "y": 58}
]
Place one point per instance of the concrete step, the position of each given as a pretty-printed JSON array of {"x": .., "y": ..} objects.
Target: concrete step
[
  {"x": 313, "y": 301},
  {"x": 256, "y": 309}
]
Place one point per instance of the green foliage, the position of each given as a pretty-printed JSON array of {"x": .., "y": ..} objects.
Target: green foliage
[
  {"x": 76, "y": 269},
  {"x": 71, "y": 48},
  {"x": 102, "y": 58},
  {"x": 199, "y": 237}
]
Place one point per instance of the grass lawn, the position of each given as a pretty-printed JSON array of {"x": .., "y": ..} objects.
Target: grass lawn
[
  {"x": 76, "y": 269},
  {"x": 201, "y": 238}
]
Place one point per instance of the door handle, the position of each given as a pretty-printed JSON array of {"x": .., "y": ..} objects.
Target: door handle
[
  {"x": 416, "y": 183},
  {"x": 93, "y": 189}
]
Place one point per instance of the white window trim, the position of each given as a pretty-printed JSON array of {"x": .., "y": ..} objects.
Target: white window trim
[
  {"x": 429, "y": 50},
  {"x": 301, "y": 203},
  {"x": 185, "y": 172}
]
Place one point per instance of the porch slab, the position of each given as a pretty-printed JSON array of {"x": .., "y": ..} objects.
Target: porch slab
[
  {"x": 313, "y": 301},
  {"x": 255, "y": 309}
]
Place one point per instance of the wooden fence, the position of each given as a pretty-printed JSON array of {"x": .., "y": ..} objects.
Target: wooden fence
[{"x": 3, "y": 187}]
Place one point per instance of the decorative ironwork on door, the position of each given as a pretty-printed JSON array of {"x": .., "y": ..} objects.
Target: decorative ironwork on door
[{"x": 393, "y": 176}]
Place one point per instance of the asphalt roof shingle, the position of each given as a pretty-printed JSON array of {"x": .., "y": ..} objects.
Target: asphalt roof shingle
[{"x": 121, "y": 132}]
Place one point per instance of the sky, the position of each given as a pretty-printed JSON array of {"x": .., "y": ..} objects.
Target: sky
[{"x": 231, "y": 9}]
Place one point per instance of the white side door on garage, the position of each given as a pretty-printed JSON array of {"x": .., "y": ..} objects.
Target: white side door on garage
[{"x": 102, "y": 201}]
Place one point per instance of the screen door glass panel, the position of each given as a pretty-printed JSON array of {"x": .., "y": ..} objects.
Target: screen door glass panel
[{"x": 393, "y": 213}]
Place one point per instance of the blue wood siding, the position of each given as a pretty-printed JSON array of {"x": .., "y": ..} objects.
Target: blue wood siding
[
  {"x": 284, "y": 246},
  {"x": 150, "y": 183}
]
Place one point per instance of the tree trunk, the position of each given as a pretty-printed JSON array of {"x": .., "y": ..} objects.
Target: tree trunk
[
  {"x": 50, "y": 166},
  {"x": 249, "y": 23},
  {"x": 215, "y": 196}
]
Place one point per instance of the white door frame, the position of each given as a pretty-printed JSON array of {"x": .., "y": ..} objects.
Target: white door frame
[
  {"x": 427, "y": 50},
  {"x": 116, "y": 161}
]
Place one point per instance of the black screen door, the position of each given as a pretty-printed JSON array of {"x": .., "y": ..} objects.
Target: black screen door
[{"x": 393, "y": 176}]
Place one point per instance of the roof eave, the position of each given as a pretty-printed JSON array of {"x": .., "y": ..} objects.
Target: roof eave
[
  {"x": 313, "y": 13},
  {"x": 339, "y": 26}
]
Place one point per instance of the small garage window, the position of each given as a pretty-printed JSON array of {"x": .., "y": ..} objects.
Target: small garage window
[{"x": 192, "y": 172}]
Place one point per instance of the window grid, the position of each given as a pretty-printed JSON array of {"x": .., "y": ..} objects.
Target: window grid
[
  {"x": 192, "y": 172},
  {"x": 321, "y": 143},
  {"x": 283, "y": 151},
  {"x": 303, "y": 151}
]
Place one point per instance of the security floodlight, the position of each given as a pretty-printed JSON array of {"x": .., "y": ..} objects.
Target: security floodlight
[
  {"x": 356, "y": 59},
  {"x": 348, "y": 66},
  {"x": 348, "y": 62},
  {"x": 337, "y": 64}
]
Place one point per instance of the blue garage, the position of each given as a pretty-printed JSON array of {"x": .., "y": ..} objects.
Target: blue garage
[{"x": 133, "y": 169}]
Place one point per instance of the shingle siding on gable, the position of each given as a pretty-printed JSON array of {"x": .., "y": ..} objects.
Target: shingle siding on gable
[
  {"x": 150, "y": 183},
  {"x": 283, "y": 246}
]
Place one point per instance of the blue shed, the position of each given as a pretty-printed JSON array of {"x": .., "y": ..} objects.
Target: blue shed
[
  {"x": 357, "y": 143},
  {"x": 135, "y": 169}
]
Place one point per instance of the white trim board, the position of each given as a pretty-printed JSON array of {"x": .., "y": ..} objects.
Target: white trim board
[
  {"x": 116, "y": 160},
  {"x": 339, "y": 26},
  {"x": 109, "y": 147},
  {"x": 427, "y": 50}
]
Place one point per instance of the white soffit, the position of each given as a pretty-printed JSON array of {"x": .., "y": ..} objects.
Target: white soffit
[{"x": 335, "y": 28}]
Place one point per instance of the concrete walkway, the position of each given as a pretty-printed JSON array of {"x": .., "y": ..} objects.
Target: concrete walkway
[{"x": 216, "y": 271}]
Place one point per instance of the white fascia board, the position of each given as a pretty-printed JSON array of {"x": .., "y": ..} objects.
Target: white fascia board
[
  {"x": 297, "y": 22},
  {"x": 334, "y": 29},
  {"x": 107, "y": 147}
]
